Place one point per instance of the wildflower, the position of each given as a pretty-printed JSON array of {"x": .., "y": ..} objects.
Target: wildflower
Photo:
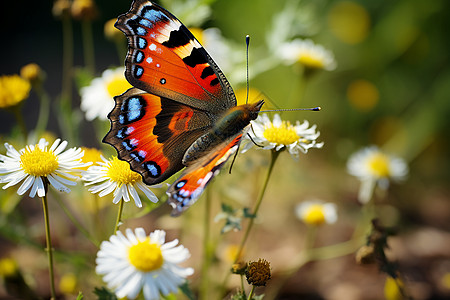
[
  {"x": 84, "y": 10},
  {"x": 374, "y": 167},
  {"x": 111, "y": 32},
  {"x": 8, "y": 267},
  {"x": 33, "y": 73},
  {"x": 349, "y": 22},
  {"x": 363, "y": 94},
  {"x": 91, "y": 155},
  {"x": 258, "y": 272},
  {"x": 39, "y": 166},
  {"x": 61, "y": 8},
  {"x": 97, "y": 98},
  {"x": 133, "y": 262},
  {"x": 68, "y": 284},
  {"x": 13, "y": 90},
  {"x": 307, "y": 53},
  {"x": 278, "y": 134},
  {"x": 316, "y": 212},
  {"x": 115, "y": 176}
]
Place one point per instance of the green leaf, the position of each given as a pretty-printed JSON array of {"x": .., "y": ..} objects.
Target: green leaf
[{"x": 103, "y": 294}]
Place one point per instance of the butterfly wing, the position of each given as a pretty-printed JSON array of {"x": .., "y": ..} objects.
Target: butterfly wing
[
  {"x": 165, "y": 59},
  {"x": 152, "y": 133},
  {"x": 187, "y": 189}
]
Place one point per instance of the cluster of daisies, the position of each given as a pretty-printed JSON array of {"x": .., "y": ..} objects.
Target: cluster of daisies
[{"x": 135, "y": 262}]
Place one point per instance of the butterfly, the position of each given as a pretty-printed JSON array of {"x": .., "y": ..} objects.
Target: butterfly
[{"x": 181, "y": 111}]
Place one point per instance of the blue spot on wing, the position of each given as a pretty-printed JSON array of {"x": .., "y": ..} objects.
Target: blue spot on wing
[
  {"x": 154, "y": 15},
  {"x": 142, "y": 43},
  {"x": 145, "y": 23},
  {"x": 139, "y": 57},
  {"x": 134, "y": 109},
  {"x": 141, "y": 31}
]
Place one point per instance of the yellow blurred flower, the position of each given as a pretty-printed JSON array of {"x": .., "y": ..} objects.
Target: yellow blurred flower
[
  {"x": 92, "y": 155},
  {"x": 68, "y": 284},
  {"x": 61, "y": 8},
  {"x": 111, "y": 32},
  {"x": 8, "y": 267},
  {"x": 349, "y": 21},
  {"x": 363, "y": 94},
  {"x": 32, "y": 72},
  {"x": 253, "y": 95},
  {"x": 13, "y": 90},
  {"x": 198, "y": 33},
  {"x": 84, "y": 10}
]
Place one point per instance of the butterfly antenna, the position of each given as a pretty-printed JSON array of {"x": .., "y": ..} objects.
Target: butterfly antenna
[
  {"x": 247, "y": 42},
  {"x": 318, "y": 108}
]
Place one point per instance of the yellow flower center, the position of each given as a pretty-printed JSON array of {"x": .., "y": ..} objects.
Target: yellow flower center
[
  {"x": 310, "y": 60},
  {"x": 38, "y": 162},
  {"x": 146, "y": 256},
  {"x": 13, "y": 89},
  {"x": 379, "y": 165},
  {"x": 117, "y": 85},
  {"x": 282, "y": 135},
  {"x": 119, "y": 171},
  {"x": 315, "y": 215}
]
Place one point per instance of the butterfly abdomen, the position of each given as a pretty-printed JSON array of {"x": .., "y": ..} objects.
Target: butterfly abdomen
[{"x": 230, "y": 124}]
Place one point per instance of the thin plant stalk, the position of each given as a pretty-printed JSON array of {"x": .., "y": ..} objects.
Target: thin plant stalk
[
  {"x": 252, "y": 291},
  {"x": 88, "y": 46},
  {"x": 76, "y": 222},
  {"x": 48, "y": 241},
  {"x": 44, "y": 110},
  {"x": 65, "y": 118},
  {"x": 17, "y": 110},
  {"x": 204, "y": 283},
  {"x": 119, "y": 216},
  {"x": 274, "y": 157}
]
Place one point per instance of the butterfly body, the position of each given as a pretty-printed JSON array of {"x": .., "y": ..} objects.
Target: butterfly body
[{"x": 181, "y": 112}]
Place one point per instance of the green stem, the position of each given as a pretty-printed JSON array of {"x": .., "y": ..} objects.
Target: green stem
[
  {"x": 88, "y": 46},
  {"x": 49, "y": 243},
  {"x": 65, "y": 116},
  {"x": 119, "y": 216},
  {"x": 252, "y": 291},
  {"x": 17, "y": 110},
  {"x": 76, "y": 222},
  {"x": 44, "y": 110},
  {"x": 205, "y": 282},
  {"x": 275, "y": 155}
]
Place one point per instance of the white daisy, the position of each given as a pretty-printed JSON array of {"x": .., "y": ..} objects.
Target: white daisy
[
  {"x": 307, "y": 53},
  {"x": 373, "y": 167},
  {"x": 278, "y": 134},
  {"x": 97, "y": 98},
  {"x": 115, "y": 176},
  {"x": 138, "y": 262},
  {"x": 38, "y": 166},
  {"x": 316, "y": 212}
]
